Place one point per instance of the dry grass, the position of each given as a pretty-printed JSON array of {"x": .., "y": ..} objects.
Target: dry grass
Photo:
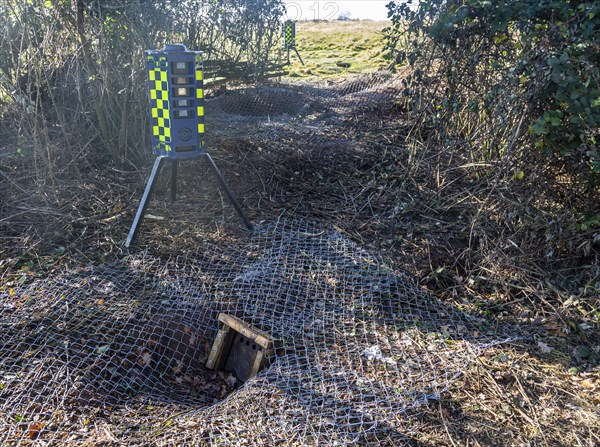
[
  {"x": 511, "y": 397},
  {"x": 438, "y": 216}
]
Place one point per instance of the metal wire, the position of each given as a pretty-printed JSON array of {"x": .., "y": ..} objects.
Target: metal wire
[
  {"x": 302, "y": 99},
  {"x": 116, "y": 353}
]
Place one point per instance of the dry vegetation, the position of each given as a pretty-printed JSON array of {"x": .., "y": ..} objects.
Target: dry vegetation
[{"x": 475, "y": 239}]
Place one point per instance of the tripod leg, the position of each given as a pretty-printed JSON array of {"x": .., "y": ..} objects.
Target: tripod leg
[
  {"x": 174, "y": 180},
  {"x": 143, "y": 203},
  {"x": 298, "y": 54},
  {"x": 228, "y": 193}
]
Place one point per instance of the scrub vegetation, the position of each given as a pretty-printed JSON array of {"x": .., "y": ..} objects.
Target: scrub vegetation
[{"x": 476, "y": 169}]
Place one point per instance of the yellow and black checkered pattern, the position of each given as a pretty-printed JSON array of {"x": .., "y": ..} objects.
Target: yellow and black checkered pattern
[
  {"x": 200, "y": 96},
  {"x": 159, "y": 102},
  {"x": 289, "y": 35},
  {"x": 176, "y": 102}
]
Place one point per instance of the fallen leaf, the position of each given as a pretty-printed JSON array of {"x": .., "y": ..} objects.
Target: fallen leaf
[
  {"x": 588, "y": 384},
  {"x": 146, "y": 358},
  {"x": 581, "y": 353},
  {"x": 100, "y": 302},
  {"x": 34, "y": 429},
  {"x": 544, "y": 347},
  {"x": 102, "y": 349},
  {"x": 230, "y": 380}
]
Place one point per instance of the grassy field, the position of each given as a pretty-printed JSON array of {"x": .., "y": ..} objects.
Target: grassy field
[{"x": 323, "y": 46}]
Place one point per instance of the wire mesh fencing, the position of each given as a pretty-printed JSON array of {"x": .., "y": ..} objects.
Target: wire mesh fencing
[
  {"x": 303, "y": 99},
  {"x": 116, "y": 353}
]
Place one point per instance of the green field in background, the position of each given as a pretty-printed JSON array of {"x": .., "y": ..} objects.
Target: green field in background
[{"x": 323, "y": 45}]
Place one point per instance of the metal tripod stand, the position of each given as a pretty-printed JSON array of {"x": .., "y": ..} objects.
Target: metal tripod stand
[
  {"x": 297, "y": 54},
  {"x": 139, "y": 216}
]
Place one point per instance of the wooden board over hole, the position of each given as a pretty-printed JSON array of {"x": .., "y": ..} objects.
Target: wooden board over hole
[{"x": 239, "y": 348}]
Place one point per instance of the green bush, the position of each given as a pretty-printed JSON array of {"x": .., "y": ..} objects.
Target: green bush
[{"x": 541, "y": 55}]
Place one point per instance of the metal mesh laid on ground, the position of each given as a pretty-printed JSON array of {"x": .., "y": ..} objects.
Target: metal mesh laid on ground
[
  {"x": 115, "y": 354},
  {"x": 302, "y": 100}
]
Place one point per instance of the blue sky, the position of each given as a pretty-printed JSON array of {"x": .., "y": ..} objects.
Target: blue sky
[{"x": 331, "y": 9}]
